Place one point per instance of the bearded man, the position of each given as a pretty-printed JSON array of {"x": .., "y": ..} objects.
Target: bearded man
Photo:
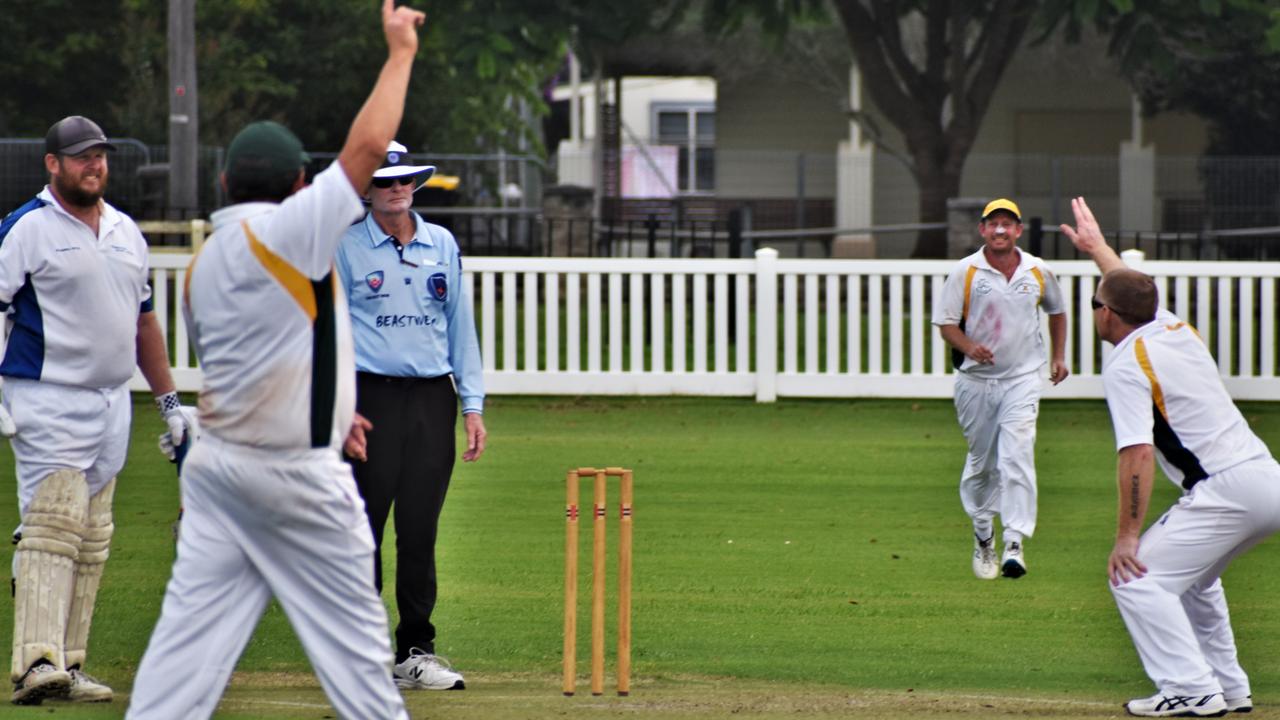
[{"x": 78, "y": 318}]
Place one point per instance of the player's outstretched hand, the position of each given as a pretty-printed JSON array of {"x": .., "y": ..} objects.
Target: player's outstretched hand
[
  {"x": 401, "y": 27},
  {"x": 1088, "y": 239},
  {"x": 1086, "y": 235}
]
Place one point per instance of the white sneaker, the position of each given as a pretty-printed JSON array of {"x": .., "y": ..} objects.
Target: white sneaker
[
  {"x": 1178, "y": 706},
  {"x": 424, "y": 671},
  {"x": 1012, "y": 565},
  {"x": 85, "y": 688},
  {"x": 984, "y": 558},
  {"x": 1240, "y": 704},
  {"x": 40, "y": 681}
]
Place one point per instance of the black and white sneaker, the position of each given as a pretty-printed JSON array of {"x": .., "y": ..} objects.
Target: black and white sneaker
[
  {"x": 1012, "y": 564},
  {"x": 40, "y": 681},
  {"x": 1178, "y": 706},
  {"x": 424, "y": 671}
]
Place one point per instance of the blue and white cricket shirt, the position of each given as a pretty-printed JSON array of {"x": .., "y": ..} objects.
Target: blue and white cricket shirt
[
  {"x": 409, "y": 316},
  {"x": 73, "y": 299}
]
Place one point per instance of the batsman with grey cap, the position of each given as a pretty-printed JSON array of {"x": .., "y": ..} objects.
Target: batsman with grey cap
[{"x": 78, "y": 318}]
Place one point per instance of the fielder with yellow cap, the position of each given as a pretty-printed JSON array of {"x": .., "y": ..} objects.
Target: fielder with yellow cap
[{"x": 989, "y": 315}]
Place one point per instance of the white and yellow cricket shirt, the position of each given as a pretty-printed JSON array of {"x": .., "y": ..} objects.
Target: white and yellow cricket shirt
[
  {"x": 1163, "y": 389},
  {"x": 1001, "y": 314},
  {"x": 71, "y": 298},
  {"x": 269, "y": 322}
]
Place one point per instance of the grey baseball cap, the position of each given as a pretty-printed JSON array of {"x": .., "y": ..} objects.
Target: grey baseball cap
[{"x": 74, "y": 134}]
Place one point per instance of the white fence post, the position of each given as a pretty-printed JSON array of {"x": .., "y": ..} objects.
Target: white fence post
[{"x": 766, "y": 325}]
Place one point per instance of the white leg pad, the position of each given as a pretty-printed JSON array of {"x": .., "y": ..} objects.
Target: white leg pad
[
  {"x": 93, "y": 556},
  {"x": 52, "y": 530}
]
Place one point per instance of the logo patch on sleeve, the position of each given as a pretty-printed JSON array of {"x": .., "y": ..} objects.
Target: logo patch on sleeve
[
  {"x": 374, "y": 280},
  {"x": 438, "y": 286}
]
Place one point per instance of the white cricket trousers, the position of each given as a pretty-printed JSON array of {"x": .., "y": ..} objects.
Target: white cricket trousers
[
  {"x": 998, "y": 418},
  {"x": 1177, "y": 612},
  {"x": 64, "y": 426},
  {"x": 258, "y": 523}
]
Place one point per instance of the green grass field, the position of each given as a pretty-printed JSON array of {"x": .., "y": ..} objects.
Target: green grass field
[{"x": 807, "y": 558}]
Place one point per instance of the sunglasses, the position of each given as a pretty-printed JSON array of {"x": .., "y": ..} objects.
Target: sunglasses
[
  {"x": 1096, "y": 303},
  {"x": 386, "y": 182}
]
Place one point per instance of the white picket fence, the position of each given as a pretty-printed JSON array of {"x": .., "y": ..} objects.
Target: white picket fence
[{"x": 767, "y": 327}]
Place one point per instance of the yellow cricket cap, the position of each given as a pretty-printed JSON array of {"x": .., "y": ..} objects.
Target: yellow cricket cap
[{"x": 1004, "y": 204}]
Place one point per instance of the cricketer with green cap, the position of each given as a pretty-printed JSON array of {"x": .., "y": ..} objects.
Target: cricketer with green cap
[
  {"x": 270, "y": 508},
  {"x": 263, "y": 163}
]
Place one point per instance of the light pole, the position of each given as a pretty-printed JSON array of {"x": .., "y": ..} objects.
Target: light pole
[{"x": 184, "y": 127}]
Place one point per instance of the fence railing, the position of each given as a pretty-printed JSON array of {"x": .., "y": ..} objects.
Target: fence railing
[{"x": 766, "y": 327}]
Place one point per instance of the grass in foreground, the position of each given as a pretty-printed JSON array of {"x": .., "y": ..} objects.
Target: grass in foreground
[{"x": 803, "y": 558}]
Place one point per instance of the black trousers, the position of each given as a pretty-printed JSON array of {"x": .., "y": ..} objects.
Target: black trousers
[{"x": 411, "y": 452}]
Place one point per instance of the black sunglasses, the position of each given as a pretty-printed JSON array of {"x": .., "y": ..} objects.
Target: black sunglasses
[
  {"x": 1096, "y": 303},
  {"x": 386, "y": 182}
]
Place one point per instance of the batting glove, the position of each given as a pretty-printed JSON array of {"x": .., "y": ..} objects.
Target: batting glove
[
  {"x": 182, "y": 422},
  {"x": 7, "y": 428}
]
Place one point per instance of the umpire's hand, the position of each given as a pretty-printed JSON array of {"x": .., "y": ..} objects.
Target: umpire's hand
[
  {"x": 356, "y": 445},
  {"x": 474, "y": 424}
]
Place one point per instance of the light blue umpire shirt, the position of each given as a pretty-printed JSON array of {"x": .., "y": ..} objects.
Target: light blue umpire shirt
[{"x": 409, "y": 316}]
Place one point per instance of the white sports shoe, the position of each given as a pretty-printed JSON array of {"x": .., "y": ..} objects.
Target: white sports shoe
[
  {"x": 40, "y": 681},
  {"x": 424, "y": 671},
  {"x": 85, "y": 688},
  {"x": 984, "y": 558},
  {"x": 1178, "y": 706},
  {"x": 1013, "y": 565},
  {"x": 1240, "y": 704}
]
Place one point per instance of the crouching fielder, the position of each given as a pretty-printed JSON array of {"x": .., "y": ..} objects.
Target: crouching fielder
[
  {"x": 270, "y": 508},
  {"x": 78, "y": 311},
  {"x": 1167, "y": 401}
]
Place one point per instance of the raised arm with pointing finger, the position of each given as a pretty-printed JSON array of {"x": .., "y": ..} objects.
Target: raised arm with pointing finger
[
  {"x": 1168, "y": 405},
  {"x": 269, "y": 507}
]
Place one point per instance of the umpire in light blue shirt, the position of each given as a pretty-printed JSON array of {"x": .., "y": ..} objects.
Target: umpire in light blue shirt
[{"x": 416, "y": 357}]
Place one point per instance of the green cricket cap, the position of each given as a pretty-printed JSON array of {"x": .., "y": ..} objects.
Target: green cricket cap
[{"x": 264, "y": 149}]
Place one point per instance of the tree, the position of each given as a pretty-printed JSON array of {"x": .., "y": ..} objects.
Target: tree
[
  {"x": 930, "y": 67},
  {"x": 307, "y": 63},
  {"x": 1226, "y": 71}
]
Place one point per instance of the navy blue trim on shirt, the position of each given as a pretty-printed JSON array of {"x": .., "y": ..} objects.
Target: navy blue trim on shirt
[
  {"x": 24, "y": 355},
  {"x": 1167, "y": 442},
  {"x": 12, "y": 218}
]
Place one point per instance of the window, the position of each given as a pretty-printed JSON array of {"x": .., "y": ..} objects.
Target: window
[{"x": 692, "y": 128}]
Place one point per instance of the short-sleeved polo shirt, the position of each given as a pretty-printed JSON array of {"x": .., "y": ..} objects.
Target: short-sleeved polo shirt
[
  {"x": 269, "y": 322},
  {"x": 410, "y": 312},
  {"x": 1163, "y": 389},
  {"x": 1001, "y": 314},
  {"x": 73, "y": 298}
]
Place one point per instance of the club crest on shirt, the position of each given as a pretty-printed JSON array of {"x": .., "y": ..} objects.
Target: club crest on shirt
[
  {"x": 374, "y": 280},
  {"x": 438, "y": 286}
]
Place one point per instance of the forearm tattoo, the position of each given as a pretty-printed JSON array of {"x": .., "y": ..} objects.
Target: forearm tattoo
[{"x": 1133, "y": 498}]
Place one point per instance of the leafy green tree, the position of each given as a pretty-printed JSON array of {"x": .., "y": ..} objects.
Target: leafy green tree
[
  {"x": 307, "y": 63},
  {"x": 931, "y": 67},
  {"x": 1219, "y": 61}
]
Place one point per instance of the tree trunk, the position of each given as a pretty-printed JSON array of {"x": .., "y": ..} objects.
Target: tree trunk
[{"x": 937, "y": 185}]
